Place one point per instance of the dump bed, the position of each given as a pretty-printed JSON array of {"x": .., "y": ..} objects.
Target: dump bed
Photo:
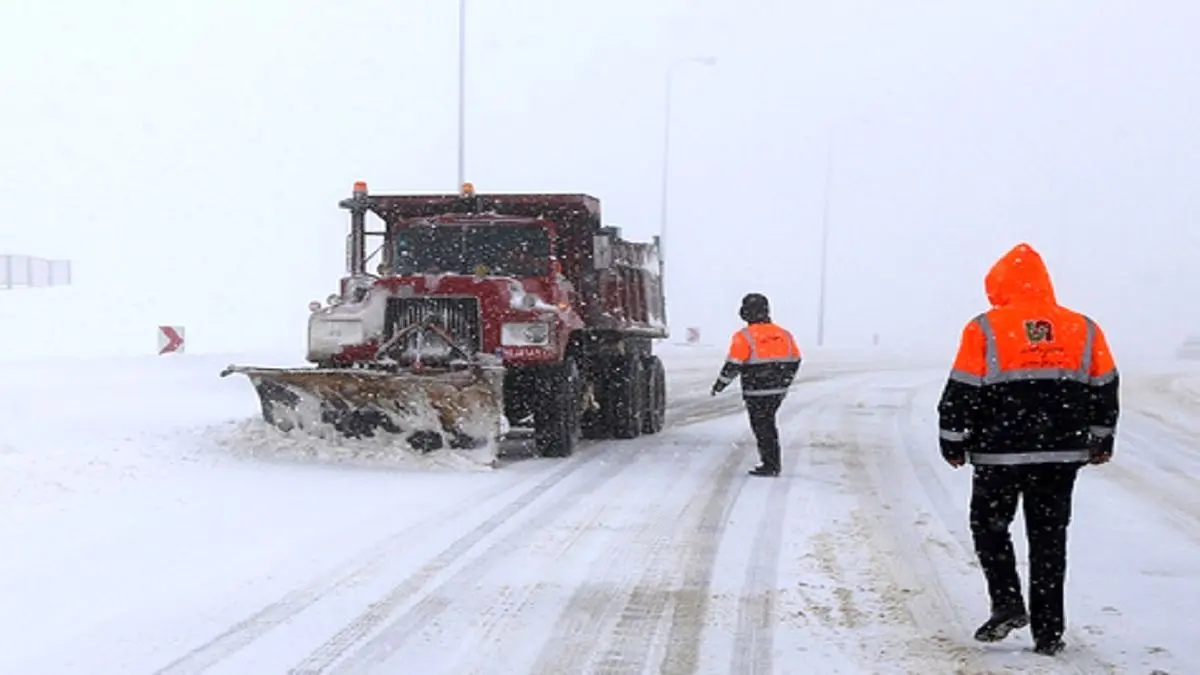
[{"x": 618, "y": 282}]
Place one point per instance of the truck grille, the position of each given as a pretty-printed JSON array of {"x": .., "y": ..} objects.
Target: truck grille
[{"x": 460, "y": 317}]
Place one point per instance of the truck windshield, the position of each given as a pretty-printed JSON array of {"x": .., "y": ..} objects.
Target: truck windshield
[{"x": 506, "y": 250}]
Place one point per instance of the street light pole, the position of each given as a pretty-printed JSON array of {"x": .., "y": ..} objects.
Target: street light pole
[
  {"x": 462, "y": 93},
  {"x": 666, "y": 147},
  {"x": 824, "y": 247}
]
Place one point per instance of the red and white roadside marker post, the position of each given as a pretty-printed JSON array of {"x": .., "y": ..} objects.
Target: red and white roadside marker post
[{"x": 170, "y": 340}]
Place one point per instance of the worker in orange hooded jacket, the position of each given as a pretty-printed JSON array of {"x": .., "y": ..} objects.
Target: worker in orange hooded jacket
[{"x": 1031, "y": 398}]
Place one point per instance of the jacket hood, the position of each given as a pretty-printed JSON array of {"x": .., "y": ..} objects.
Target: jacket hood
[{"x": 1019, "y": 277}]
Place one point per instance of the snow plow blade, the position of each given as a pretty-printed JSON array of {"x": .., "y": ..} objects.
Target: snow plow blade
[{"x": 460, "y": 407}]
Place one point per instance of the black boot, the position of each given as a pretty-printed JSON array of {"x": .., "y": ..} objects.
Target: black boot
[
  {"x": 1001, "y": 623},
  {"x": 1049, "y": 647},
  {"x": 761, "y": 470}
]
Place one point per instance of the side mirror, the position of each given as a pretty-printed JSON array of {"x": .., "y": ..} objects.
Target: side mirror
[{"x": 601, "y": 252}]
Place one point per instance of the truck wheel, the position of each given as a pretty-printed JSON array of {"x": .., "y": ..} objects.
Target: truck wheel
[
  {"x": 656, "y": 396},
  {"x": 629, "y": 398},
  {"x": 556, "y": 418}
]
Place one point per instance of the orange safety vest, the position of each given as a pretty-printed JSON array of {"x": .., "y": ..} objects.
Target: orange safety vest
[{"x": 763, "y": 343}]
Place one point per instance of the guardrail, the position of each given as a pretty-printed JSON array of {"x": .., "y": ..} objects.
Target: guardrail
[{"x": 25, "y": 271}]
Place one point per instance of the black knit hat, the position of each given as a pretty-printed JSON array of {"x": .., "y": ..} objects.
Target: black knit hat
[{"x": 755, "y": 308}]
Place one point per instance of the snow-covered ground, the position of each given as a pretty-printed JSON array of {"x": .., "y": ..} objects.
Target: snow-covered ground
[{"x": 149, "y": 524}]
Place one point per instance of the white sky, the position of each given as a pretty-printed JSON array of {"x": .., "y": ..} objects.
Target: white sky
[{"x": 189, "y": 156}]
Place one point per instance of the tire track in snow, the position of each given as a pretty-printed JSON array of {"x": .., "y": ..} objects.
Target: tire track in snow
[
  {"x": 1150, "y": 398},
  {"x": 634, "y": 617},
  {"x": 496, "y": 618},
  {"x": 884, "y": 486},
  {"x": 1160, "y": 447},
  {"x": 754, "y": 639},
  {"x": 754, "y": 636},
  {"x": 245, "y": 632},
  {"x": 1176, "y": 504},
  {"x": 399, "y": 629},
  {"x": 645, "y": 607},
  {"x": 694, "y": 408},
  {"x": 690, "y": 610},
  {"x": 570, "y": 631},
  {"x": 596, "y": 603},
  {"x": 633, "y": 626}
]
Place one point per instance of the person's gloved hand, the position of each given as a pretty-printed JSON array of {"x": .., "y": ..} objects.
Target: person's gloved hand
[
  {"x": 955, "y": 457},
  {"x": 716, "y": 388},
  {"x": 1101, "y": 449},
  {"x": 954, "y": 451}
]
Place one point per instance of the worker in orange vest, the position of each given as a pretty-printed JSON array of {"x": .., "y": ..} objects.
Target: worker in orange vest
[
  {"x": 1031, "y": 398},
  {"x": 767, "y": 358}
]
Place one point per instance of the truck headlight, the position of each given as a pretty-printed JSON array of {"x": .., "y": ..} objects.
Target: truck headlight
[
  {"x": 333, "y": 334},
  {"x": 525, "y": 334}
]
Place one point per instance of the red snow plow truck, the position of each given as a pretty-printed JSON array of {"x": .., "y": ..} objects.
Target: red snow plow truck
[{"x": 484, "y": 309}]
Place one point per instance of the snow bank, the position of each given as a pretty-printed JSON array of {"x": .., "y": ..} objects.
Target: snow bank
[
  {"x": 1189, "y": 386},
  {"x": 78, "y": 425},
  {"x": 253, "y": 438}
]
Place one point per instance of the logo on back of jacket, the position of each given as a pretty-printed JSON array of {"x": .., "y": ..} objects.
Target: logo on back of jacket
[
  {"x": 1039, "y": 331},
  {"x": 1039, "y": 336}
]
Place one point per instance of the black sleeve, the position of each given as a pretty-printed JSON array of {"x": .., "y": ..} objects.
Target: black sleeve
[
  {"x": 1104, "y": 385},
  {"x": 957, "y": 413},
  {"x": 1105, "y": 411},
  {"x": 790, "y": 370},
  {"x": 728, "y": 374}
]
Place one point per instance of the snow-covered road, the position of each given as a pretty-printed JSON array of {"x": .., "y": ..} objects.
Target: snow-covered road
[{"x": 147, "y": 527}]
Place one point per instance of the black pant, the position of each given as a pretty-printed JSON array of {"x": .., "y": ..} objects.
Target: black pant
[
  {"x": 1047, "y": 490},
  {"x": 762, "y": 410}
]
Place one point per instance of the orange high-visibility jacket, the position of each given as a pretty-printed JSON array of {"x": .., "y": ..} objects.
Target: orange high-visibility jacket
[
  {"x": 766, "y": 357},
  {"x": 1032, "y": 381}
]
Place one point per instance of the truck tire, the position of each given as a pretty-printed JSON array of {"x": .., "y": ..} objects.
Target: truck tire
[
  {"x": 656, "y": 396},
  {"x": 629, "y": 397},
  {"x": 556, "y": 418}
]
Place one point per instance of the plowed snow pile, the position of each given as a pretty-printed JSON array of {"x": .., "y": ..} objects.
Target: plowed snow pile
[{"x": 256, "y": 439}]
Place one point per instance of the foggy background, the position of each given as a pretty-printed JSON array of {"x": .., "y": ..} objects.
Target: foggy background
[{"x": 188, "y": 157}]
